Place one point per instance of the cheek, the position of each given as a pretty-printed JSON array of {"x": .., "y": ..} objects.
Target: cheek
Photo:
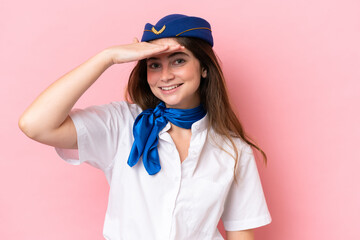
[
  {"x": 151, "y": 79},
  {"x": 194, "y": 77},
  {"x": 187, "y": 74}
]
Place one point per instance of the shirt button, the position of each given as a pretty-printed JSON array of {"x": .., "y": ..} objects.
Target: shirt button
[{"x": 197, "y": 127}]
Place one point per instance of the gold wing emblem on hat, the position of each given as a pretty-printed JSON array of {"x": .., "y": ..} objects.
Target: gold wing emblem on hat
[{"x": 158, "y": 32}]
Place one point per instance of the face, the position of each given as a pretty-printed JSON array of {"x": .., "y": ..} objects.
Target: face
[{"x": 174, "y": 77}]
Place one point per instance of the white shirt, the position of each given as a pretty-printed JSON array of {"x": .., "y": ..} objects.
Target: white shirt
[{"x": 184, "y": 200}]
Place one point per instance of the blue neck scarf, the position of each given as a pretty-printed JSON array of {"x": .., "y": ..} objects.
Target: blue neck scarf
[{"x": 147, "y": 127}]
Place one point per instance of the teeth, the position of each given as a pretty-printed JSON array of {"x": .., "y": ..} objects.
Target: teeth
[{"x": 169, "y": 88}]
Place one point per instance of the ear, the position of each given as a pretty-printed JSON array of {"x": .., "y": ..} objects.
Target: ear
[{"x": 204, "y": 73}]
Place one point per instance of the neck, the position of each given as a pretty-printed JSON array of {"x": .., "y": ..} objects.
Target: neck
[{"x": 193, "y": 103}]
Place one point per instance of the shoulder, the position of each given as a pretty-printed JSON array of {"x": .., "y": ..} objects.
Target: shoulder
[
  {"x": 114, "y": 113},
  {"x": 243, "y": 150},
  {"x": 225, "y": 143},
  {"x": 125, "y": 107},
  {"x": 114, "y": 109}
]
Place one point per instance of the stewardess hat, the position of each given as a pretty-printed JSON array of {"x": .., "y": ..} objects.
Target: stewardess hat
[{"x": 178, "y": 25}]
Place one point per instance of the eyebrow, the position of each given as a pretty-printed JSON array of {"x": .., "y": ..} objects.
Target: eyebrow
[{"x": 170, "y": 56}]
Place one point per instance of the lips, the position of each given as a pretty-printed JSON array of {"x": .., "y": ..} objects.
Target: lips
[{"x": 168, "y": 88}]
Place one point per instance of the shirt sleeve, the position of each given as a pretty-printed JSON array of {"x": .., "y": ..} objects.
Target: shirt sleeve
[
  {"x": 99, "y": 131},
  {"x": 245, "y": 206}
]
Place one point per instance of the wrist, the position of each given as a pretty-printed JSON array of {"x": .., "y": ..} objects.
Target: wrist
[{"x": 107, "y": 56}]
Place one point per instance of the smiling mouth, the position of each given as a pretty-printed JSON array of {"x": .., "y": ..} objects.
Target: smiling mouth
[{"x": 170, "y": 87}]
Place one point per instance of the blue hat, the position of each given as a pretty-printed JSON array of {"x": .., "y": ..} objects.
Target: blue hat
[{"x": 177, "y": 25}]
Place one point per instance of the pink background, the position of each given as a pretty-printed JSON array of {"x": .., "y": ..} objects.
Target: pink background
[{"x": 293, "y": 70}]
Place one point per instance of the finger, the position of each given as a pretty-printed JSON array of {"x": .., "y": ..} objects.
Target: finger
[
  {"x": 170, "y": 49},
  {"x": 173, "y": 48},
  {"x": 160, "y": 49},
  {"x": 156, "y": 51}
]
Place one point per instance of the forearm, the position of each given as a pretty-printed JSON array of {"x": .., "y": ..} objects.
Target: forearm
[
  {"x": 240, "y": 235},
  {"x": 45, "y": 116},
  {"x": 52, "y": 106}
]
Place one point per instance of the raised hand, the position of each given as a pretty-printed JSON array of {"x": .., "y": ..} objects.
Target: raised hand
[
  {"x": 46, "y": 120},
  {"x": 138, "y": 50}
]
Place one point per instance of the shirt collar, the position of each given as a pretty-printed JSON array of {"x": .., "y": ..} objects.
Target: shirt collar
[{"x": 198, "y": 126}]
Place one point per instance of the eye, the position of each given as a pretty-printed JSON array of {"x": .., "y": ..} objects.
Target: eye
[
  {"x": 179, "y": 61},
  {"x": 153, "y": 65}
]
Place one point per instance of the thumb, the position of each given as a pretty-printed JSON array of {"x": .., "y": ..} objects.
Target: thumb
[{"x": 135, "y": 40}]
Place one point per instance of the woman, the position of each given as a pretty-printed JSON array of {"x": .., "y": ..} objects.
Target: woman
[{"x": 197, "y": 164}]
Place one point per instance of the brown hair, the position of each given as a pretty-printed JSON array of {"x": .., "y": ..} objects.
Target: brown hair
[{"x": 213, "y": 93}]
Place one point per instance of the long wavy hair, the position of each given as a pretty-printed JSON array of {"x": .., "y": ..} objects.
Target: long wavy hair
[{"x": 213, "y": 94}]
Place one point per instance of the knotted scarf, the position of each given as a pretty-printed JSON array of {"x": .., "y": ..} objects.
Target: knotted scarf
[{"x": 147, "y": 127}]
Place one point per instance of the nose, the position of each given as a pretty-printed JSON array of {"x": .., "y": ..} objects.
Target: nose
[{"x": 166, "y": 74}]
